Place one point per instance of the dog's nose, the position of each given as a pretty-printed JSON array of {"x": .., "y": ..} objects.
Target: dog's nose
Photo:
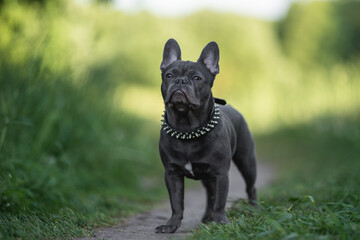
[{"x": 182, "y": 81}]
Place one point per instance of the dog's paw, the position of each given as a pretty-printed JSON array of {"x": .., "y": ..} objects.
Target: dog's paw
[
  {"x": 207, "y": 219},
  {"x": 222, "y": 219},
  {"x": 254, "y": 203},
  {"x": 166, "y": 228}
]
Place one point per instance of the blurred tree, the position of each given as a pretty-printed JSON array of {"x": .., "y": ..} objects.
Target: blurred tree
[
  {"x": 308, "y": 32},
  {"x": 39, "y": 3},
  {"x": 349, "y": 35},
  {"x": 42, "y": 2},
  {"x": 321, "y": 32},
  {"x": 103, "y": 1}
]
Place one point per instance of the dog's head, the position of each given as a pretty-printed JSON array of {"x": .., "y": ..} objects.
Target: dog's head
[{"x": 187, "y": 85}]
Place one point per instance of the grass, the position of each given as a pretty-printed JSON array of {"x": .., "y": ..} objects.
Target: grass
[
  {"x": 73, "y": 154},
  {"x": 67, "y": 162},
  {"x": 316, "y": 194}
]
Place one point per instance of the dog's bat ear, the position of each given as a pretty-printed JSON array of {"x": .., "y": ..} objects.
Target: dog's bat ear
[
  {"x": 210, "y": 57},
  {"x": 171, "y": 53}
]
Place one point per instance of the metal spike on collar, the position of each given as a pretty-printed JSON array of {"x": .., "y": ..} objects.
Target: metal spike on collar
[{"x": 197, "y": 132}]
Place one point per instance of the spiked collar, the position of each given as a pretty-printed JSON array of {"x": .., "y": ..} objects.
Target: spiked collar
[{"x": 197, "y": 132}]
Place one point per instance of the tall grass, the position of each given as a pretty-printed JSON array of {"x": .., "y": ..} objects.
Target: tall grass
[
  {"x": 68, "y": 161},
  {"x": 80, "y": 103}
]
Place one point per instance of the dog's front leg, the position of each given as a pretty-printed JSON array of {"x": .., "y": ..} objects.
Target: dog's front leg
[
  {"x": 221, "y": 193},
  {"x": 175, "y": 186}
]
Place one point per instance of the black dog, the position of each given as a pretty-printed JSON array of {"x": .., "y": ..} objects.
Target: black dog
[{"x": 199, "y": 138}]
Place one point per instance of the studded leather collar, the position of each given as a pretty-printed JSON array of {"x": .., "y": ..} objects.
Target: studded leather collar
[{"x": 198, "y": 132}]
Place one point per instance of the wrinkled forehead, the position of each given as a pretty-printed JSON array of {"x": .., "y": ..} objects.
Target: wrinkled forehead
[{"x": 185, "y": 67}]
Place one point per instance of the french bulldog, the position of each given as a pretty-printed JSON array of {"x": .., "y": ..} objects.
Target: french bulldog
[{"x": 200, "y": 137}]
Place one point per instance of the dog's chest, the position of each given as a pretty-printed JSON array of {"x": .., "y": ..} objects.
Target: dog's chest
[
  {"x": 196, "y": 170},
  {"x": 196, "y": 161}
]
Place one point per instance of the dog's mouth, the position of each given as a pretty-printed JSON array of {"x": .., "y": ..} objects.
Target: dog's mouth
[
  {"x": 179, "y": 101},
  {"x": 178, "y": 97}
]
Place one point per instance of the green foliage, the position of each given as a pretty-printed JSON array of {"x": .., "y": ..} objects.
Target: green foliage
[
  {"x": 321, "y": 32},
  {"x": 80, "y": 104},
  {"x": 316, "y": 193},
  {"x": 68, "y": 160}
]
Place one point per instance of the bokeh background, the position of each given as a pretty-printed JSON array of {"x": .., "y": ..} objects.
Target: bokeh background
[{"x": 80, "y": 100}]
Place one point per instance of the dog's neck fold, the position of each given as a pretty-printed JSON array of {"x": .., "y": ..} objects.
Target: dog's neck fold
[{"x": 191, "y": 119}]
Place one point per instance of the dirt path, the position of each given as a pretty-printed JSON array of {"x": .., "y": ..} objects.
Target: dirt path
[{"x": 142, "y": 226}]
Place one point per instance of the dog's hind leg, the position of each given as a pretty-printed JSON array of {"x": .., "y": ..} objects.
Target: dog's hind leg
[{"x": 247, "y": 167}]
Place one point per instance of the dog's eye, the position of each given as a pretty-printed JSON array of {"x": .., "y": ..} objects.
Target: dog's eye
[
  {"x": 169, "y": 75},
  {"x": 196, "y": 78}
]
